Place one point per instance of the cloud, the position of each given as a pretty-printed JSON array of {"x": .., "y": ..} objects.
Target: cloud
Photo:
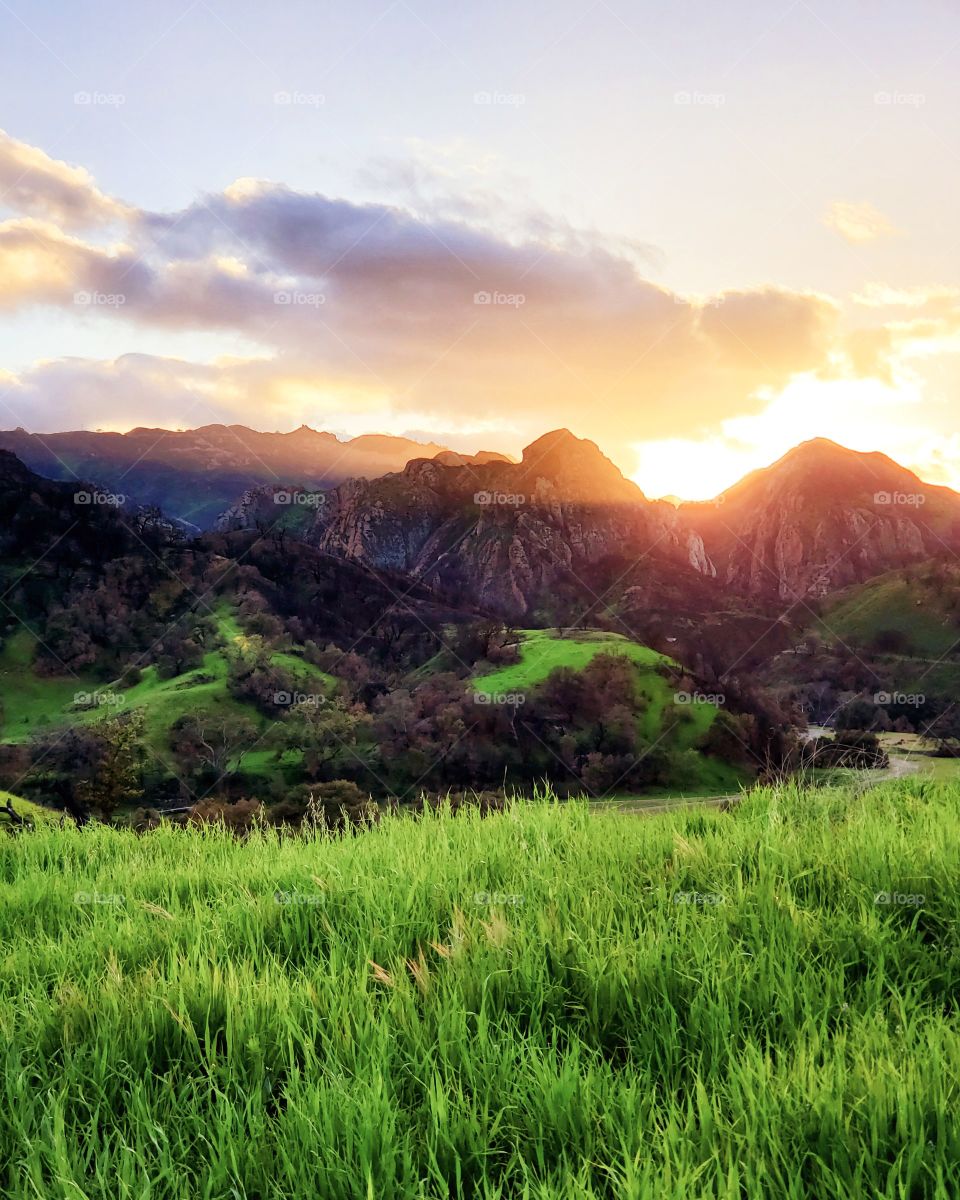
[
  {"x": 41, "y": 264},
  {"x": 858, "y": 223},
  {"x": 882, "y": 295},
  {"x": 31, "y": 182},
  {"x": 771, "y": 330},
  {"x": 363, "y": 311},
  {"x": 145, "y": 389}
]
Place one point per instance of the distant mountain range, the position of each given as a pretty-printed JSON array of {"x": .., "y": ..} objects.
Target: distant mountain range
[
  {"x": 560, "y": 534},
  {"x": 194, "y": 474}
]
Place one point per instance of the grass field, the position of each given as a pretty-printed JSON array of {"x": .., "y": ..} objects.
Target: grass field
[
  {"x": 545, "y": 1003},
  {"x": 918, "y": 752},
  {"x": 32, "y": 702}
]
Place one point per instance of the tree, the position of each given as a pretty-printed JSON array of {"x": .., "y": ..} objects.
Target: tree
[
  {"x": 325, "y": 731},
  {"x": 945, "y": 731},
  {"x": 92, "y": 769},
  {"x": 118, "y": 777},
  {"x": 213, "y": 744}
]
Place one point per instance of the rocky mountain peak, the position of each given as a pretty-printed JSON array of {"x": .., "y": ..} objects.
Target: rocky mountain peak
[{"x": 578, "y": 464}]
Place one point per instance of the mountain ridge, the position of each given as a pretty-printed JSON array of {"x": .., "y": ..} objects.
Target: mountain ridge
[
  {"x": 819, "y": 518},
  {"x": 195, "y": 474}
]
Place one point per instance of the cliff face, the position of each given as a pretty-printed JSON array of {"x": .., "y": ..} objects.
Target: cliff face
[
  {"x": 511, "y": 537},
  {"x": 504, "y": 535},
  {"x": 821, "y": 518}
]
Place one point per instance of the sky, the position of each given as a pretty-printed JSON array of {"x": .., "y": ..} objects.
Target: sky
[{"x": 696, "y": 233}]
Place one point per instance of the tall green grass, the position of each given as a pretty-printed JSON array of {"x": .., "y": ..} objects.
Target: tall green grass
[{"x": 545, "y": 1003}]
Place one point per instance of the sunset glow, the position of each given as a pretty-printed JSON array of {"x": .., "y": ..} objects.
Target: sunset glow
[
  {"x": 863, "y": 415},
  {"x": 447, "y": 276}
]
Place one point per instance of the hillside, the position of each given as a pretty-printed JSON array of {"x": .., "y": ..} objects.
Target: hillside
[
  {"x": 666, "y": 718},
  {"x": 913, "y": 612},
  {"x": 25, "y": 809},
  {"x": 544, "y": 1002}
]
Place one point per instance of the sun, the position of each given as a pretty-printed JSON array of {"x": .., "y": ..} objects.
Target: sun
[{"x": 862, "y": 414}]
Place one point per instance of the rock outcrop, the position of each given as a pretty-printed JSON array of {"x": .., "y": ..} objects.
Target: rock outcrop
[{"x": 505, "y": 536}]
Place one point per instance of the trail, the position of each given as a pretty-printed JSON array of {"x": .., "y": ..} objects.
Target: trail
[{"x": 899, "y": 768}]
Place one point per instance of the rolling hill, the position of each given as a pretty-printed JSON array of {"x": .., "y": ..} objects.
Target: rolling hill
[{"x": 914, "y": 612}]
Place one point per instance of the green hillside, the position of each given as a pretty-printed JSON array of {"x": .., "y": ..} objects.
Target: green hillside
[
  {"x": 662, "y": 721},
  {"x": 34, "y": 703},
  {"x": 544, "y": 1003},
  {"x": 24, "y": 808},
  {"x": 543, "y": 651},
  {"x": 31, "y": 701},
  {"x": 918, "y": 604}
]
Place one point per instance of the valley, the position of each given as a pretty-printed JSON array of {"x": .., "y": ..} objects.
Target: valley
[{"x": 406, "y": 636}]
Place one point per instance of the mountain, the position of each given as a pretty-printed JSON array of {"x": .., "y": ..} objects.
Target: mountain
[
  {"x": 563, "y": 533},
  {"x": 821, "y": 518},
  {"x": 49, "y": 527},
  {"x": 194, "y": 474},
  {"x": 514, "y": 538},
  {"x": 245, "y": 665}
]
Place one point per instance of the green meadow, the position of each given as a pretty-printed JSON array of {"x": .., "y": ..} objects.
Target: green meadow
[
  {"x": 549, "y": 1002},
  {"x": 679, "y": 727},
  {"x": 543, "y": 651}
]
